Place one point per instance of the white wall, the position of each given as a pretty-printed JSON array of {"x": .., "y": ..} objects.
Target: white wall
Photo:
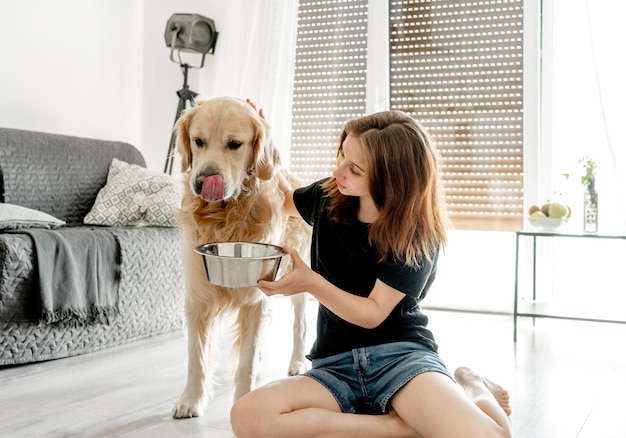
[
  {"x": 101, "y": 69},
  {"x": 72, "y": 67},
  {"x": 475, "y": 272}
]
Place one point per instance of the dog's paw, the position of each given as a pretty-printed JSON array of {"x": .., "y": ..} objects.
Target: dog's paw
[
  {"x": 188, "y": 409},
  {"x": 297, "y": 367}
]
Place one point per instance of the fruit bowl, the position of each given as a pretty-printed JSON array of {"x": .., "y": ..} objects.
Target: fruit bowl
[{"x": 547, "y": 223}]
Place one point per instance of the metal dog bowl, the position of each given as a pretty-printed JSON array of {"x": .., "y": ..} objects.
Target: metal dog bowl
[{"x": 240, "y": 264}]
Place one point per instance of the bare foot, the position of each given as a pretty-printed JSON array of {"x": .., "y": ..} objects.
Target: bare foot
[{"x": 470, "y": 380}]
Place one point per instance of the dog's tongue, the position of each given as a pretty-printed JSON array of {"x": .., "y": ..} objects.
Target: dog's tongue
[{"x": 212, "y": 188}]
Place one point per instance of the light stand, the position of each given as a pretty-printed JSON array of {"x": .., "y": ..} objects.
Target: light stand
[
  {"x": 187, "y": 33},
  {"x": 184, "y": 95}
]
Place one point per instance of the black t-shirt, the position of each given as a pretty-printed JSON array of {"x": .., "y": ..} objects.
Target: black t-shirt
[{"x": 341, "y": 254}]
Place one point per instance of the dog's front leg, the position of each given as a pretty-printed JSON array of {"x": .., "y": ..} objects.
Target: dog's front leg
[
  {"x": 298, "y": 363},
  {"x": 199, "y": 388},
  {"x": 250, "y": 326}
]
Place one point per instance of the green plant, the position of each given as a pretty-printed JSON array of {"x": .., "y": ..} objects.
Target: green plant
[{"x": 589, "y": 166}]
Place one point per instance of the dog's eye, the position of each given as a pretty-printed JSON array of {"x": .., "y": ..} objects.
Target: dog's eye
[
  {"x": 234, "y": 145},
  {"x": 199, "y": 142}
]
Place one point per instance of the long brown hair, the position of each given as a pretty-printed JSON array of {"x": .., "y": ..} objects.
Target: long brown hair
[{"x": 404, "y": 184}]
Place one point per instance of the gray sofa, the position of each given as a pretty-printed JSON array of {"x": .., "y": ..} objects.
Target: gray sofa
[{"x": 61, "y": 176}]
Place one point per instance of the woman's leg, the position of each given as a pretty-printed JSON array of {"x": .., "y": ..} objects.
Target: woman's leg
[
  {"x": 434, "y": 406},
  {"x": 300, "y": 406}
]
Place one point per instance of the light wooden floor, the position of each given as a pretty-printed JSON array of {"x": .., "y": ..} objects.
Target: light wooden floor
[{"x": 566, "y": 379}]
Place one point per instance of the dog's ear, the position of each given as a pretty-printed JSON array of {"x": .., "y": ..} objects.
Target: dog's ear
[
  {"x": 181, "y": 130},
  {"x": 266, "y": 153}
]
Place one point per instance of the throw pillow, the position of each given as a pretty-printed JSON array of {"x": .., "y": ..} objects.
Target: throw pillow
[
  {"x": 134, "y": 195},
  {"x": 14, "y": 217}
]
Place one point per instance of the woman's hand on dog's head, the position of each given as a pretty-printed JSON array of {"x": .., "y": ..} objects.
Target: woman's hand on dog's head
[{"x": 253, "y": 105}]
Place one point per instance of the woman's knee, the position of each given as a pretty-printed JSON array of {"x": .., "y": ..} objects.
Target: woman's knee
[
  {"x": 243, "y": 418},
  {"x": 251, "y": 415}
]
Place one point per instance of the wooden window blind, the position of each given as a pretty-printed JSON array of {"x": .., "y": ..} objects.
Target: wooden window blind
[
  {"x": 329, "y": 81},
  {"x": 456, "y": 66}
]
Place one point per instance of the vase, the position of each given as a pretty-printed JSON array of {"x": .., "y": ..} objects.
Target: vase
[{"x": 590, "y": 211}]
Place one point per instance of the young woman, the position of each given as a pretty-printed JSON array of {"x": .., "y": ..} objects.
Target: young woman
[{"x": 378, "y": 227}]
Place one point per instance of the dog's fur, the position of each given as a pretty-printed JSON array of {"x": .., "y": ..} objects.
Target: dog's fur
[{"x": 226, "y": 136}]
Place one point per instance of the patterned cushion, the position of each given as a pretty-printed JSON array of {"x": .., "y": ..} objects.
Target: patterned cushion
[
  {"x": 13, "y": 217},
  {"x": 134, "y": 195}
]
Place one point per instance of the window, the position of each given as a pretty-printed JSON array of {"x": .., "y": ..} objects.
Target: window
[
  {"x": 456, "y": 66},
  {"x": 329, "y": 83}
]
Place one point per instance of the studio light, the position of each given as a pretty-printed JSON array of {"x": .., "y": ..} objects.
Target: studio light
[
  {"x": 190, "y": 33},
  {"x": 187, "y": 33}
]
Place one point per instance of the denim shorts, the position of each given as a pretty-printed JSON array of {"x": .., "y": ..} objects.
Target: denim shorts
[{"x": 364, "y": 380}]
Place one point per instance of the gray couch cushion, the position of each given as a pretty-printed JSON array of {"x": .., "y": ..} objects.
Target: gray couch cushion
[
  {"x": 59, "y": 175},
  {"x": 14, "y": 217}
]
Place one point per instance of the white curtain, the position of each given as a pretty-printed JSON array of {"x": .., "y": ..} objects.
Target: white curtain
[
  {"x": 254, "y": 59},
  {"x": 588, "y": 92}
]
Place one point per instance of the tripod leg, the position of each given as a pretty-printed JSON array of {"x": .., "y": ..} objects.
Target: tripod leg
[
  {"x": 169, "y": 160},
  {"x": 184, "y": 95}
]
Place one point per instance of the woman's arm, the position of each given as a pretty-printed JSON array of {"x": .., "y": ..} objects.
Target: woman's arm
[
  {"x": 367, "y": 312},
  {"x": 289, "y": 208}
]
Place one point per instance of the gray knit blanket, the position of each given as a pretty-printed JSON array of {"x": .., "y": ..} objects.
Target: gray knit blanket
[{"x": 78, "y": 274}]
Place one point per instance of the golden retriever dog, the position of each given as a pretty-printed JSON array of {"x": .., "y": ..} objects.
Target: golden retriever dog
[{"x": 230, "y": 193}]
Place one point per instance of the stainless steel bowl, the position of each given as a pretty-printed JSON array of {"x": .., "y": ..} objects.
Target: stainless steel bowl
[{"x": 240, "y": 264}]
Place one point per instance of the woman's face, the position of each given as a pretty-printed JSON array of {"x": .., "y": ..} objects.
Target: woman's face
[{"x": 350, "y": 174}]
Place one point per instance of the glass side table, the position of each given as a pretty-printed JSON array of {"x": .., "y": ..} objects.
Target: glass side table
[{"x": 536, "y": 309}]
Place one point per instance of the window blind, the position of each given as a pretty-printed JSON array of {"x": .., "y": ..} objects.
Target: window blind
[
  {"x": 456, "y": 66},
  {"x": 329, "y": 81}
]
